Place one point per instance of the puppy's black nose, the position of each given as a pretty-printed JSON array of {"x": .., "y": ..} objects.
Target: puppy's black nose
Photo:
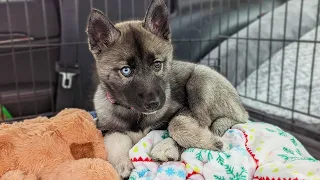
[{"x": 152, "y": 105}]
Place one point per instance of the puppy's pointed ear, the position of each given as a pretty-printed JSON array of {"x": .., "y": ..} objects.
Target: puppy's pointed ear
[
  {"x": 101, "y": 32},
  {"x": 157, "y": 19}
]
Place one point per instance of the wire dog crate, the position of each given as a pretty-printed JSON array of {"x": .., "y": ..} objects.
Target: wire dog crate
[{"x": 268, "y": 49}]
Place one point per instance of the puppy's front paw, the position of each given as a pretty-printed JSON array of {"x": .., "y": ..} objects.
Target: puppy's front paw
[
  {"x": 166, "y": 150},
  {"x": 218, "y": 145},
  {"x": 124, "y": 167},
  {"x": 218, "y": 131}
]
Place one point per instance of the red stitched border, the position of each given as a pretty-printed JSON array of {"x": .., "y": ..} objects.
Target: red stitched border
[
  {"x": 189, "y": 174},
  {"x": 147, "y": 159},
  {"x": 250, "y": 151},
  {"x": 273, "y": 178}
]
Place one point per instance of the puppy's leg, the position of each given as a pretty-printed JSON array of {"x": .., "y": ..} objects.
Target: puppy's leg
[
  {"x": 213, "y": 101},
  {"x": 221, "y": 125},
  {"x": 118, "y": 146},
  {"x": 187, "y": 132},
  {"x": 166, "y": 150}
]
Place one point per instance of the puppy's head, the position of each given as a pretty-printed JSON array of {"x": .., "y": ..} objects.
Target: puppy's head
[{"x": 133, "y": 58}]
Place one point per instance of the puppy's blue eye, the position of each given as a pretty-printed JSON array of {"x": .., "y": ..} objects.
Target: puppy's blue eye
[
  {"x": 126, "y": 71},
  {"x": 157, "y": 65}
]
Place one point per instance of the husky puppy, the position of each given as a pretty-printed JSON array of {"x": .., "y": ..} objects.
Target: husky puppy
[{"x": 141, "y": 88}]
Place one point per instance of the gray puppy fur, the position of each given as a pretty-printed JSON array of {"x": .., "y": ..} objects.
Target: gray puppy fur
[{"x": 141, "y": 88}]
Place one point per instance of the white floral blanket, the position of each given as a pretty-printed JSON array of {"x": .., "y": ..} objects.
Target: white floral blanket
[{"x": 253, "y": 150}]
